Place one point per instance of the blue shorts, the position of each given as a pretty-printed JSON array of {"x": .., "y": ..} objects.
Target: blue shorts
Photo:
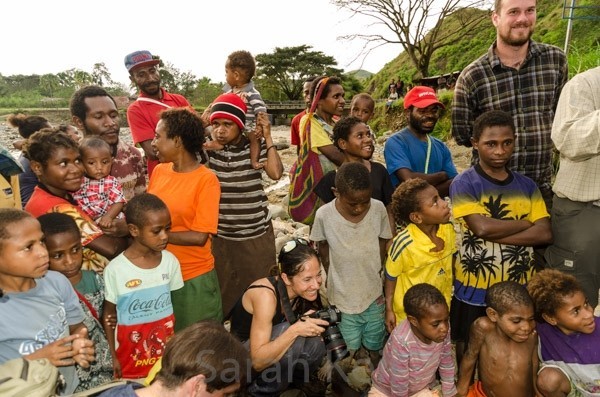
[{"x": 366, "y": 328}]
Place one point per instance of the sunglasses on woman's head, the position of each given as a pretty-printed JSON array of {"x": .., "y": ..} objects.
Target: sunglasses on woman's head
[{"x": 290, "y": 245}]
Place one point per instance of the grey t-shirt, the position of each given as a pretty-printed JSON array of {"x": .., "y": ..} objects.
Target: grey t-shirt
[{"x": 37, "y": 317}]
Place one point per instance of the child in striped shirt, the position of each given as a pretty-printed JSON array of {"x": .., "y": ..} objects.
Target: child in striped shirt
[{"x": 418, "y": 348}]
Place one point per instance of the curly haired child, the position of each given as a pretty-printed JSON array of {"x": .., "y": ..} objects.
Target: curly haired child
[
  {"x": 569, "y": 336},
  {"x": 423, "y": 251}
]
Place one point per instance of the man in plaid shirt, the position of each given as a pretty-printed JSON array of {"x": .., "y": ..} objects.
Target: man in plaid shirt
[{"x": 521, "y": 77}]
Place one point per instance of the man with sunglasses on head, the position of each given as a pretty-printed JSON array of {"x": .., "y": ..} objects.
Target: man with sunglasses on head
[
  {"x": 413, "y": 152},
  {"x": 142, "y": 115}
]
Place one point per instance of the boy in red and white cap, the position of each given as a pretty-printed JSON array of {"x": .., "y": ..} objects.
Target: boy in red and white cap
[
  {"x": 412, "y": 152},
  {"x": 244, "y": 247}
]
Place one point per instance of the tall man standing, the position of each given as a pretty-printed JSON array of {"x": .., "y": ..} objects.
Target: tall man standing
[
  {"x": 576, "y": 210},
  {"x": 142, "y": 115},
  {"x": 521, "y": 77}
]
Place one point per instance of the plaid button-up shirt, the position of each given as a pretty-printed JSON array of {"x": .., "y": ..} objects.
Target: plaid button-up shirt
[{"x": 529, "y": 93}]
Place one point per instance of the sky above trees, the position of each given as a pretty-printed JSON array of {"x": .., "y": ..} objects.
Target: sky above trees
[{"x": 43, "y": 37}]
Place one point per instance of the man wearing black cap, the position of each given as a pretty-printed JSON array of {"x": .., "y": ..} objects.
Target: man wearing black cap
[{"x": 142, "y": 115}]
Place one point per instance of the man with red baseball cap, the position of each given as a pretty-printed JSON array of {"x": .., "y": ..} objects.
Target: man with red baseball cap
[
  {"x": 412, "y": 152},
  {"x": 142, "y": 115}
]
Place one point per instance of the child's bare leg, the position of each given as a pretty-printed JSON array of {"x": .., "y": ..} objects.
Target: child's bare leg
[
  {"x": 552, "y": 382},
  {"x": 375, "y": 357}
]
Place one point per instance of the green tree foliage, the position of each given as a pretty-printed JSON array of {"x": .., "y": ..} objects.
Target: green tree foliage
[
  {"x": 101, "y": 75},
  {"x": 286, "y": 69},
  {"x": 205, "y": 92},
  {"x": 176, "y": 81}
]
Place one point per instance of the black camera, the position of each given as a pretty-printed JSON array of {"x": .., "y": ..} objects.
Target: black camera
[{"x": 334, "y": 341}]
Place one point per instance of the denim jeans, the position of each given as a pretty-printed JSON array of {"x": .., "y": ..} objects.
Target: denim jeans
[{"x": 301, "y": 359}]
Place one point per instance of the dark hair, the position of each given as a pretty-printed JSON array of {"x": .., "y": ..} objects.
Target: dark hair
[
  {"x": 492, "y": 118},
  {"x": 43, "y": 144},
  {"x": 420, "y": 297},
  {"x": 405, "y": 199},
  {"x": 352, "y": 177},
  {"x": 8, "y": 216},
  {"x": 77, "y": 104},
  {"x": 187, "y": 125},
  {"x": 57, "y": 222},
  {"x": 137, "y": 208},
  {"x": 343, "y": 128},
  {"x": 333, "y": 80},
  {"x": 93, "y": 142},
  {"x": 548, "y": 289},
  {"x": 204, "y": 348},
  {"x": 244, "y": 61},
  {"x": 505, "y": 295},
  {"x": 292, "y": 262},
  {"x": 27, "y": 125},
  {"x": 365, "y": 96}
]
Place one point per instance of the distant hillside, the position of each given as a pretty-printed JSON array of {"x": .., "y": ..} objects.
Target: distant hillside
[
  {"x": 360, "y": 74},
  {"x": 550, "y": 28}
]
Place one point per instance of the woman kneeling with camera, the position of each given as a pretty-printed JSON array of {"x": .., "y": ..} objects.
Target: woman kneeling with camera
[{"x": 283, "y": 350}]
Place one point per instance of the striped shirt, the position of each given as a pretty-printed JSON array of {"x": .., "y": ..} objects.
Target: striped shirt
[
  {"x": 409, "y": 365},
  {"x": 253, "y": 100},
  {"x": 243, "y": 210},
  {"x": 529, "y": 93}
]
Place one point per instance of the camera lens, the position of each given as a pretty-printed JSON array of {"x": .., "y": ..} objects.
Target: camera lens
[{"x": 335, "y": 343}]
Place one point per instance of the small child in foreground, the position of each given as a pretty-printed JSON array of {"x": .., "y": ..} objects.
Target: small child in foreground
[
  {"x": 423, "y": 252},
  {"x": 63, "y": 242},
  {"x": 41, "y": 317},
  {"x": 138, "y": 290},
  {"x": 351, "y": 232},
  {"x": 569, "y": 336},
  {"x": 101, "y": 195},
  {"x": 503, "y": 344},
  {"x": 418, "y": 348}
]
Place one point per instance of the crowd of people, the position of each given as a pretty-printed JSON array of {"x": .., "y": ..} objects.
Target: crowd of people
[{"x": 119, "y": 262}]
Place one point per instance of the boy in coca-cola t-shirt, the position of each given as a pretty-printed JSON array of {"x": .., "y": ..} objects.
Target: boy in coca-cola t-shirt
[{"x": 138, "y": 290}]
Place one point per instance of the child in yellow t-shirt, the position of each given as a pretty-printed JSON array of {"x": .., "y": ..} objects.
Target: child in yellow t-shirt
[{"x": 423, "y": 252}]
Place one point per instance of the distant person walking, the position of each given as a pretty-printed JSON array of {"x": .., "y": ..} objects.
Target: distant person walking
[{"x": 521, "y": 77}]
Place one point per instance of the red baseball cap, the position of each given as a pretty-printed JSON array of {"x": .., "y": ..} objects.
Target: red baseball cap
[{"x": 421, "y": 97}]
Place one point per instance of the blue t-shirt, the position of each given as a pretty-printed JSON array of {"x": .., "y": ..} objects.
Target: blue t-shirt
[
  {"x": 39, "y": 317},
  {"x": 405, "y": 150}
]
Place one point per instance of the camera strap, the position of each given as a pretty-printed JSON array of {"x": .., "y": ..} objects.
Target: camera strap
[{"x": 286, "y": 305}]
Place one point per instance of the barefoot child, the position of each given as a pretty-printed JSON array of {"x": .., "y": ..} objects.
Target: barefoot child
[
  {"x": 41, "y": 317},
  {"x": 138, "y": 290},
  {"x": 63, "y": 242},
  {"x": 423, "y": 252},
  {"x": 569, "y": 336},
  {"x": 502, "y": 216},
  {"x": 351, "y": 232},
  {"x": 100, "y": 195},
  {"x": 503, "y": 344},
  {"x": 418, "y": 348}
]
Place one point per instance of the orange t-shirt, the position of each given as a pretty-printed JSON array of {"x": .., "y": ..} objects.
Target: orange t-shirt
[{"x": 193, "y": 201}]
